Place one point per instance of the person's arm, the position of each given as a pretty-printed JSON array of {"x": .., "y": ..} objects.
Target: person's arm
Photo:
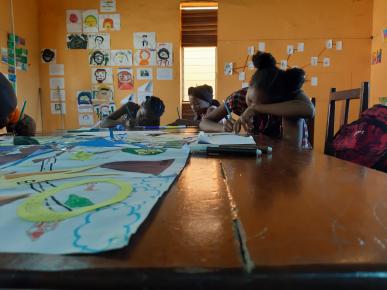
[
  {"x": 210, "y": 123},
  {"x": 119, "y": 113}
]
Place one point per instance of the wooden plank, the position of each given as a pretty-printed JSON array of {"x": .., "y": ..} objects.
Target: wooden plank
[{"x": 345, "y": 95}]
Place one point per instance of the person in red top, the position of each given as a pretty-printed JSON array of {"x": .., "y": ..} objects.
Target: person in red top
[
  {"x": 10, "y": 114},
  {"x": 273, "y": 104}
]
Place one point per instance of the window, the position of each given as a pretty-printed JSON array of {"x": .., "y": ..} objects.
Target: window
[{"x": 199, "y": 68}]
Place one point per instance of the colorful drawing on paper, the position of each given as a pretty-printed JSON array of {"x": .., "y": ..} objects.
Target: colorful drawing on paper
[
  {"x": 144, "y": 40},
  {"x": 125, "y": 79},
  {"x": 58, "y": 108},
  {"x": 144, "y": 57},
  {"x": 74, "y": 21},
  {"x": 101, "y": 75},
  {"x": 104, "y": 110},
  {"x": 77, "y": 41},
  {"x": 376, "y": 57},
  {"x": 108, "y": 6},
  {"x": 90, "y": 21},
  {"x": 164, "y": 53},
  {"x": 99, "y": 41},
  {"x": 86, "y": 120},
  {"x": 121, "y": 57},
  {"x": 144, "y": 74},
  {"x": 228, "y": 69},
  {"x": 384, "y": 35},
  {"x": 85, "y": 103},
  {"x": 48, "y": 55},
  {"x": 109, "y": 22},
  {"x": 99, "y": 57},
  {"x": 103, "y": 94}
]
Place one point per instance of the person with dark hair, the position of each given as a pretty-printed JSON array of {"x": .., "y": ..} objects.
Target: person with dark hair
[
  {"x": 273, "y": 104},
  {"x": 10, "y": 113},
  {"x": 201, "y": 99},
  {"x": 131, "y": 114}
]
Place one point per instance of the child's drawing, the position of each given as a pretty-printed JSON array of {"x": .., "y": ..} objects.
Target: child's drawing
[
  {"x": 77, "y": 41},
  {"x": 109, "y": 22},
  {"x": 99, "y": 57},
  {"x": 90, "y": 21},
  {"x": 101, "y": 76},
  {"x": 99, "y": 41},
  {"x": 164, "y": 54},
  {"x": 74, "y": 21},
  {"x": 121, "y": 57},
  {"x": 144, "y": 57},
  {"x": 144, "y": 40},
  {"x": 125, "y": 79}
]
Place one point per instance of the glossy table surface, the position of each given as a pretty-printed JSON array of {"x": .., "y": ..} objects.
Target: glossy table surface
[{"x": 291, "y": 220}]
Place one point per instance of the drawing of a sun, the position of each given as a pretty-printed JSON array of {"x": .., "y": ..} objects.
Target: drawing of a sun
[{"x": 91, "y": 21}]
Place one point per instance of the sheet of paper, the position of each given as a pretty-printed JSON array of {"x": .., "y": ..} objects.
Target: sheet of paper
[
  {"x": 125, "y": 79},
  {"x": 101, "y": 75},
  {"x": 77, "y": 41},
  {"x": 339, "y": 45},
  {"x": 108, "y": 6},
  {"x": 250, "y": 64},
  {"x": 326, "y": 62},
  {"x": 164, "y": 54},
  {"x": 74, "y": 21},
  {"x": 284, "y": 64},
  {"x": 242, "y": 76},
  {"x": 86, "y": 120},
  {"x": 164, "y": 74},
  {"x": 290, "y": 49},
  {"x": 314, "y": 61},
  {"x": 314, "y": 81},
  {"x": 147, "y": 87},
  {"x": 58, "y": 108},
  {"x": 121, "y": 57},
  {"x": 144, "y": 74},
  {"x": 262, "y": 46},
  {"x": 144, "y": 57},
  {"x": 329, "y": 44},
  {"x": 251, "y": 50},
  {"x": 228, "y": 69},
  {"x": 224, "y": 139},
  {"x": 84, "y": 100},
  {"x": 144, "y": 40},
  {"x": 90, "y": 21},
  {"x": 109, "y": 22},
  {"x": 57, "y": 95},
  {"x": 98, "y": 41},
  {"x": 99, "y": 57},
  {"x": 57, "y": 83},
  {"x": 300, "y": 47},
  {"x": 56, "y": 69}
]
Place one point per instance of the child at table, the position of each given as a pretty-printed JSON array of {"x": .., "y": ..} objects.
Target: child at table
[
  {"x": 131, "y": 114},
  {"x": 274, "y": 104},
  {"x": 10, "y": 113}
]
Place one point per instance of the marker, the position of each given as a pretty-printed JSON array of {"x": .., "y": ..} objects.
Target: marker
[
  {"x": 178, "y": 112},
  {"x": 22, "y": 111},
  {"x": 111, "y": 133},
  {"x": 217, "y": 150},
  {"x": 161, "y": 127},
  {"x": 265, "y": 149},
  {"x": 228, "y": 111}
]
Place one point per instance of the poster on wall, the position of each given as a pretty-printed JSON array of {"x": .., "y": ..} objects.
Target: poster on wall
[
  {"x": 48, "y": 55},
  {"x": 57, "y": 84},
  {"x": 101, "y": 76},
  {"x": 99, "y": 57},
  {"x": 121, "y": 57},
  {"x": 164, "y": 74},
  {"x": 86, "y": 120},
  {"x": 99, "y": 41},
  {"x": 164, "y": 54},
  {"x": 85, "y": 104},
  {"x": 58, "y": 108},
  {"x": 76, "y": 41},
  {"x": 144, "y": 57},
  {"x": 125, "y": 79},
  {"x": 56, "y": 69},
  {"x": 74, "y": 21},
  {"x": 102, "y": 94},
  {"x": 57, "y": 95},
  {"x": 90, "y": 21},
  {"x": 376, "y": 57},
  {"x": 144, "y": 40},
  {"x": 228, "y": 68},
  {"x": 384, "y": 35},
  {"x": 144, "y": 74},
  {"x": 104, "y": 110},
  {"x": 109, "y": 22},
  {"x": 108, "y": 6}
]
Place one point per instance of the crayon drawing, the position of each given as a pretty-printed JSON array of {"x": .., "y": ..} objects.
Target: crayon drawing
[
  {"x": 109, "y": 22},
  {"x": 99, "y": 41},
  {"x": 102, "y": 94},
  {"x": 99, "y": 57},
  {"x": 77, "y": 41},
  {"x": 74, "y": 21},
  {"x": 101, "y": 76},
  {"x": 90, "y": 21},
  {"x": 144, "y": 57},
  {"x": 144, "y": 40},
  {"x": 125, "y": 79},
  {"x": 121, "y": 57},
  {"x": 164, "y": 54}
]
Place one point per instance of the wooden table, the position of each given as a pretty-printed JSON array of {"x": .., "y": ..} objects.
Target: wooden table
[{"x": 292, "y": 220}]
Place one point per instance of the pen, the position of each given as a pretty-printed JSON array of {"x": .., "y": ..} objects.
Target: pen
[
  {"x": 228, "y": 111},
  {"x": 218, "y": 150},
  {"x": 111, "y": 133},
  {"x": 22, "y": 111}
]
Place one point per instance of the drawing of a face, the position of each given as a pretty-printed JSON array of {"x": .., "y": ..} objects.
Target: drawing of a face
[
  {"x": 77, "y": 41},
  {"x": 58, "y": 107},
  {"x": 100, "y": 75},
  {"x": 98, "y": 41},
  {"x": 121, "y": 58},
  {"x": 144, "y": 57},
  {"x": 125, "y": 77},
  {"x": 84, "y": 98},
  {"x": 163, "y": 54},
  {"x": 91, "y": 21},
  {"x": 73, "y": 18},
  {"x": 105, "y": 111},
  {"x": 108, "y": 23},
  {"x": 48, "y": 55},
  {"x": 97, "y": 58}
]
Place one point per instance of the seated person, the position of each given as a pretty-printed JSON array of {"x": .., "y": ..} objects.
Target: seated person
[
  {"x": 131, "y": 114},
  {"x": 274, "y": 104},
  {"x": 10, "y": 114},
  {"x": 201, "y": 99}
]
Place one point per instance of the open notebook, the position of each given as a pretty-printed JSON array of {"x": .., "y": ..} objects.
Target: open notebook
[{"x": 224, "y": 139}]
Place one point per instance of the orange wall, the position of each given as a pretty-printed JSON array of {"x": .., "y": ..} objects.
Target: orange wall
[
  {"x": 277, "y": 22},
  {"x": 379, "y": 71},
  {"x": 162, "y": 17},
  {"x": 26, "y": 26}
]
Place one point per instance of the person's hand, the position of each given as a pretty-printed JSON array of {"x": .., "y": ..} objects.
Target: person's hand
[
  {"x": 246, "y": 121},
  {"x": 228, "y": 125}
]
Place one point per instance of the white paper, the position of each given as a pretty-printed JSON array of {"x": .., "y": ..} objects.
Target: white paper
[
  {"x": 144, "y": 40},
  {"x": 262, "y": 46},
  {"x": 290, "y": 49},
  {"x": 109, "y": 22},
  {"x": 86, "y": 120},
  {"x": 300, "y": 47},
  {"x": 99, "y": 57},
  {"x": 314, "y": 81},
  {"x": 101, "y": 75},
  {"x": 144, "y": 74},
  {"x": 284, "y": 64},
  {"x": 250, "y": 64},
  {"x": 164, "y": 54},
  {"x": 98, "y": 41},
  {"x": 121, "y": 57},
  {"x": 314, "y": 60},
  {"x": 108, "y": 6},
  {"x": 57, "y": 95},
  {"x": 144, "y": 57},
  {"x": 224, "y": 139},
  {"x": 147, "y": 87},
  {"x": 329, "y": 44},
  {"x": 57, "y": 83},
  {"x": 141, "y": 97},
  {"x": 228, "y": 69},
  {"x": 74, "y": 21},
  {"x": 251, "y": 50},
  {"x": 339, "y": 45},
  {"x": 130, "y": 98},
  {"x": 56, "y": 69},
  {"x": 90, "y": 21},
  {"x": 242, "y": 76},
  {"x": 165, "y": 74},
  {"x": 326, "y": 61},
  {"x": 58, "y": 108},
  {"x": 245, "y": 85}
]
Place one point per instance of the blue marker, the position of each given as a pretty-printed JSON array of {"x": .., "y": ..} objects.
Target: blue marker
[
  {"x": 228, "y": 111},
  {"x": 111, "y": 133}
]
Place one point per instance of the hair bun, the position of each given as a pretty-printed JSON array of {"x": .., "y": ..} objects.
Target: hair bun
[
  {"x": 295, "y": 78},
  {"x": 264, "y": 60}
]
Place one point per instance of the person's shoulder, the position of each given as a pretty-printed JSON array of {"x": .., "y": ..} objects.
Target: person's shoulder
[{"x": 301, "y": 96}]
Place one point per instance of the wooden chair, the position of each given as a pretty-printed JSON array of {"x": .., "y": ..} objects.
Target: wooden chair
[
  {"x": 187, "y": 113},
  {"x": 361, "y": 94},
  {"x": 310, "y": 125}
]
